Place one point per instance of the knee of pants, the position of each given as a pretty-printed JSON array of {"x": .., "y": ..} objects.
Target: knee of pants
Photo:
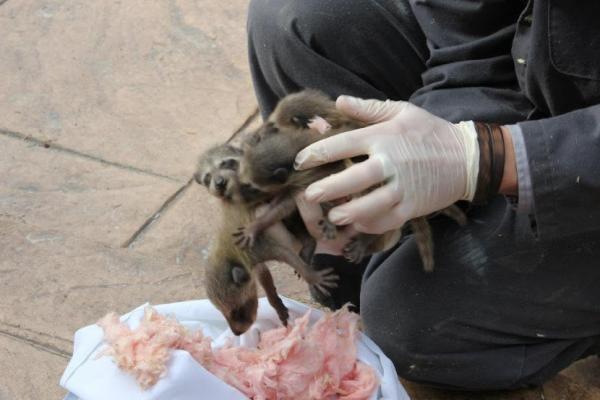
[
  {"x": 422, "y": 322},
  {"x": 440, "y": 330},
  {"x": 270, "y": 21},
  {"x": 413, "y": 336},
  {"x": 275, "y": 25},
  {"x": 355, "y": 47}
]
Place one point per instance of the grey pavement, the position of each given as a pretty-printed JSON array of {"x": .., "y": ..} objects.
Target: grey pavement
[{"x": 104, "y": 107}]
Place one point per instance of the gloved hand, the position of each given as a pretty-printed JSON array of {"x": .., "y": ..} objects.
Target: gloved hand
[{"x": 423, "y": 162}]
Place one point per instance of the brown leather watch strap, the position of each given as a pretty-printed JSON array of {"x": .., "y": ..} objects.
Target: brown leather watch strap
[{"x": 491, "y": 162}]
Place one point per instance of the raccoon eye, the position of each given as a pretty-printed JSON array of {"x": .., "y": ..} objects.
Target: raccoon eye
[
  {"x": 301, "y": 121},
  {"x": 230, "y": 163},
  {"x": 239, "y": 275},
  {"x": 206, "y": 179}
]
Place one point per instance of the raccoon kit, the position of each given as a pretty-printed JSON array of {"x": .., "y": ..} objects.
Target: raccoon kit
[
  {"x": 268, "y": 165},
  {"x": 232, "y": 272}
]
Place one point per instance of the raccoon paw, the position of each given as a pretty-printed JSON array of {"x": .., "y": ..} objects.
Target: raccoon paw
[
  {"x": 322, "y": 280},
  {"x": 245, "y": 237}
]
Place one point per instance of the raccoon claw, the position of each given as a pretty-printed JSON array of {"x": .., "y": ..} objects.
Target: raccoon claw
[
  {"x": 354, "y": 251},
  {"x": 245, "y": 237},
  {"x": 328, "y": 230}
]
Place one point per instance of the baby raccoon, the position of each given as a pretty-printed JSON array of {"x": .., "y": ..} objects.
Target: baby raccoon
[
  {"x": 218, "y": 171},
  {"x": 268, "y": 165},
  {"x": 232, "y": 272},
  {"x": 301, "y": 118}
]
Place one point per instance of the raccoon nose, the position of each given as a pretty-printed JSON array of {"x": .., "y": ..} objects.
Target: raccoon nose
[
  {"x": 220, "y": 183},
  {"x": 237, "y": 332}
]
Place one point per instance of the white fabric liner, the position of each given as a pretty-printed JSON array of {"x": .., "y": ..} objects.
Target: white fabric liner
[{"x": 90, "y": 378}]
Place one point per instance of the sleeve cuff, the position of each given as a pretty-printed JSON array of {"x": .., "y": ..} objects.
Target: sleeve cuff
[{"x": 525, "y": 188}]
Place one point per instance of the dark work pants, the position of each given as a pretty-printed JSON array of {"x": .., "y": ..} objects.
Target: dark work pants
[{"x": 501, "y": 310}]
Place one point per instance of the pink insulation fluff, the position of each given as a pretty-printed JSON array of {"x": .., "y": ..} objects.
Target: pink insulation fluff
[
  {"x": 144, "y": 351},
  {"x": 295, "y": 362}
]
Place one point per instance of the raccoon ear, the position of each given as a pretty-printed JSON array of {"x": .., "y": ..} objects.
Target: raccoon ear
[
  {"x": 251, "y": 141},
  {"x": 239, "y": 275}
]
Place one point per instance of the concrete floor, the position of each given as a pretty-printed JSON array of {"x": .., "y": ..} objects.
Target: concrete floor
[{"x": 104, "y": 107}]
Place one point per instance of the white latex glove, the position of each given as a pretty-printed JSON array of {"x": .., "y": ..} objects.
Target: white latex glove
[{"x": 423, "y": 162}]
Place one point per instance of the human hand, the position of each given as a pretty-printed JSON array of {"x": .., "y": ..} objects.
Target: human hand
[{"x": 423, "y": 164}]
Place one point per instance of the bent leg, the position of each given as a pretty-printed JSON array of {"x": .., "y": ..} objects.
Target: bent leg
[
  {"x": 499, "y": 311},
  {"x": 365, "y": 48}
]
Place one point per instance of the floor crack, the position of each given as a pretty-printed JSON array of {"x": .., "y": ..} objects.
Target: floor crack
[
  {"x": 156, "y": 216},
  {"x": 20, "y": 328},
  {"x": 99, "y": 286},
  {"x": 245, "y": 124},
  {"x": 168, "y": 279},
  {"x": 57, "y": 147},
  {"x": 46, "y": 347},
  {"x": 165, "y": 206}
]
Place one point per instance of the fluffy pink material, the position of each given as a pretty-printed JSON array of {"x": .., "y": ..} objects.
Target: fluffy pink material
[
  {"x": 298, "y": 362},
  {"x": 144, "y": 351}
]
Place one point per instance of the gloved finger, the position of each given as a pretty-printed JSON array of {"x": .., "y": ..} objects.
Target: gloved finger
[
  {"x": 354, "y": 179},
  {"x": 367, "y": 207},
  {"x": 338, "y": 147},
  {"x": 386, "y": 221},
  {"x": 370, "y": 111}
]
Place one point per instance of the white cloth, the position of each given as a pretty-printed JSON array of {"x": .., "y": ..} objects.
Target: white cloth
[{"x": 90, "y": 378}]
